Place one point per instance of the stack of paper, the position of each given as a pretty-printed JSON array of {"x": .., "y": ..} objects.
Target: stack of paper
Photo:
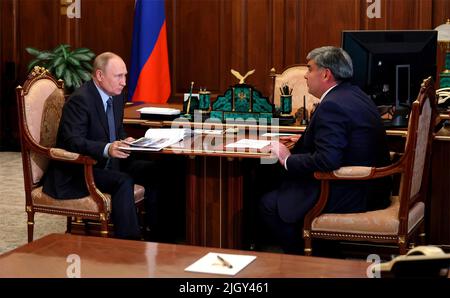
[{"x": 156, "y": 139}]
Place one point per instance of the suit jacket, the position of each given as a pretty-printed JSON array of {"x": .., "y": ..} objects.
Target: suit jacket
[
  {"x": 345, "y": 130},
  {"x": 83, "y": 129}
]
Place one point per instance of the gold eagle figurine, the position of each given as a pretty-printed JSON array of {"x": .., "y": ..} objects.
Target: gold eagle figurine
[{"x": 240, "y": 77}]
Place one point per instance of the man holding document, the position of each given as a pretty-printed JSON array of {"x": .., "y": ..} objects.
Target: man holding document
[
  {"x": 345, "y": 130},
  {"x": 92, "y": 124}
]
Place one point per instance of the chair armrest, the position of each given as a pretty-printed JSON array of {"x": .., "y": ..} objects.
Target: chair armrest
[
  {"x": 64, "y": 155},
  {"x": 347, "y": 173},
  {"x": 359, "y": 172},
  {"x": 88, "y": 162}
]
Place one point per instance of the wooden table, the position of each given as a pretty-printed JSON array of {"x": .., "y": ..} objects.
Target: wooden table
[
  {"x": 215, "y": 183},
  {"x": 108, "y": 257}
]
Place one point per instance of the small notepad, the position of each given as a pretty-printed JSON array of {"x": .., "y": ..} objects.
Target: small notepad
[{"x": 210, "y": 263}]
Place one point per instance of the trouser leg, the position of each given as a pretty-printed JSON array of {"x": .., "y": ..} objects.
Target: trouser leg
[
  {"x": 121, "y": 187},
  {"x": 288, "y": 234}
]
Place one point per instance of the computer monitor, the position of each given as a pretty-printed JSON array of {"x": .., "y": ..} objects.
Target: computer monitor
[{"x": 390, "y": 65}]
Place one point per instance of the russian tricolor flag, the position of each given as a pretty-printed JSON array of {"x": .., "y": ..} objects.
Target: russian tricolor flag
[{"x": 149, "y": 75}]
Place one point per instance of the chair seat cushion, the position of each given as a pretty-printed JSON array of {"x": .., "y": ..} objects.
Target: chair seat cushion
[
  {"x": 378, "y": 222},
  {"x": 85, "y": 204}
]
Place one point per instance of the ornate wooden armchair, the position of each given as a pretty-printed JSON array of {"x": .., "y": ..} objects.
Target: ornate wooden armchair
[
  {"x": 294, "y": 77},
  {"x": 404, "y": 218},
  {"x": 40, "y": 103}
]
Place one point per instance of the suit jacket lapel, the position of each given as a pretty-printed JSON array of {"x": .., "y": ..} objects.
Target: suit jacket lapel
[{"x": 99, "y": 107}]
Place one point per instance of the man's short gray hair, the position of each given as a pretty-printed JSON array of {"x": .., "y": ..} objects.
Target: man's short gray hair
[
  {"x": 335, "y": 59},
  {"x": 102, "y": 60}
]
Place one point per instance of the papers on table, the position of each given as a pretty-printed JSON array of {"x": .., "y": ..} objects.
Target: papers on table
[
  {"x": 208, "y": 131},
  {"x": 159, "y": 111},
  {"x": 157, "y": 138},
  {"x": 221, "y": 263},
  {"x": 248, "y": 143},
  {"x": 277, "y": 134}
]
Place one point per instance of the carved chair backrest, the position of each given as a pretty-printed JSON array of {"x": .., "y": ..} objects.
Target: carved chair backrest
[{"x": 41, "y": 101}]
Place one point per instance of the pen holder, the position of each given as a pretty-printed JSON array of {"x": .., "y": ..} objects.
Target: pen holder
[
  {"x": 204, "y": 101},
  {"x": 286, "y": 104}
]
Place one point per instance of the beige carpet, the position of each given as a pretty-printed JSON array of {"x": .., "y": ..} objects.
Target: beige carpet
[{"x": 13, "y": 218}]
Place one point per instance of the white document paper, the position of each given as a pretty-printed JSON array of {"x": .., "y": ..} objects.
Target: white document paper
[
  {"x": 156, "y": 139},
  {"x": 278, "y": 134},
  {"x": 208, "y": 131},
  {"x": 211, "y": 263},
  {"x": 159, "y": 111},
  {"x": 248, "y": 143},
  {"x": 186, "y": 96}
]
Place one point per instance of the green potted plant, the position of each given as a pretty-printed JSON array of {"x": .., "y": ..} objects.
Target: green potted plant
[{"x": 74, "y": 67}]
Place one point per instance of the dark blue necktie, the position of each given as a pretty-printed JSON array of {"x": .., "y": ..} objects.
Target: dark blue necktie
[{"x": 110, "y": 115}]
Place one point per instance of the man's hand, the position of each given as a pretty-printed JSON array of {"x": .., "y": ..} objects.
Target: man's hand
[
  {"x": 114, "y": 150},
  {"x": 129, "y": 140},
  {"x": 281, "y": 151},
  {"x": 289, "y": 141}
]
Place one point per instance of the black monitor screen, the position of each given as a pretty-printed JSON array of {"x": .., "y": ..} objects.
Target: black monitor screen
[{"x": 391, "y": 65}]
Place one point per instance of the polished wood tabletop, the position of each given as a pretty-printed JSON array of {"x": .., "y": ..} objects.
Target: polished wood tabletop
[
  {"x": 132, "y": 117},
  {"x": 52, "y": 256}
]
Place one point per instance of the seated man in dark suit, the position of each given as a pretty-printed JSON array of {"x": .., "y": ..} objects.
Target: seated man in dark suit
[
  {"x": 345, "y": 130},
  {"x": 91, "y": 124}
]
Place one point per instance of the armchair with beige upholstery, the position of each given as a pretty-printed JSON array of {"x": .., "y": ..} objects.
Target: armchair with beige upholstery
[
  {"x": 404, "y": 218},
  {"x": 40, "y": 102},
  {"x": 294, "y": 77}
]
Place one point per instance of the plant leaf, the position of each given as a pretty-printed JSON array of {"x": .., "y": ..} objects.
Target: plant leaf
[
  {"x": 64, "y": 51},
  {"x": 57, "y": 61},
  {"x": 83, "y": 74},
  {"x": 60, "y": 69},
  {"x": 75, "y": 78},
  {"x": 90, "y": 54},
  {"x": 86, "y": 65},
  {"x": 73, "y": 61},
  {"x": 81, "y": 57},
  {"x": 33, "y": 51},
  {"x": 81, "y": 51},
  {"x": 68, "y": 79},
  {"x": 45, "y": 56},
  {"x": 59, "y": 49}
]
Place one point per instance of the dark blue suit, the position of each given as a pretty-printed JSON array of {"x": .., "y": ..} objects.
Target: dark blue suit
[
  {"x": 84, "y": 129},
  {"x": 345, "y": 130}
]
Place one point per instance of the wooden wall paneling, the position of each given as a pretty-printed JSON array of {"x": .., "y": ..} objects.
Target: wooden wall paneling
[
  {"x": 323, "y": 22},
  {"x": 107, "y": 25},
  {"x": 278, "y": 33},
  {"x": 425, "y": 17},
  {"x": 196, "y": 33},
  {"x": 407, "y": 14},
  {"x": 239, "y": 39},
  {"x": 226, "y": 46},
  {"x": 286, "y": 32},
  {"x": 258, "y": 44},
  {"x": 440, "y": 12},
  {"x": 292, "y": 33}
]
